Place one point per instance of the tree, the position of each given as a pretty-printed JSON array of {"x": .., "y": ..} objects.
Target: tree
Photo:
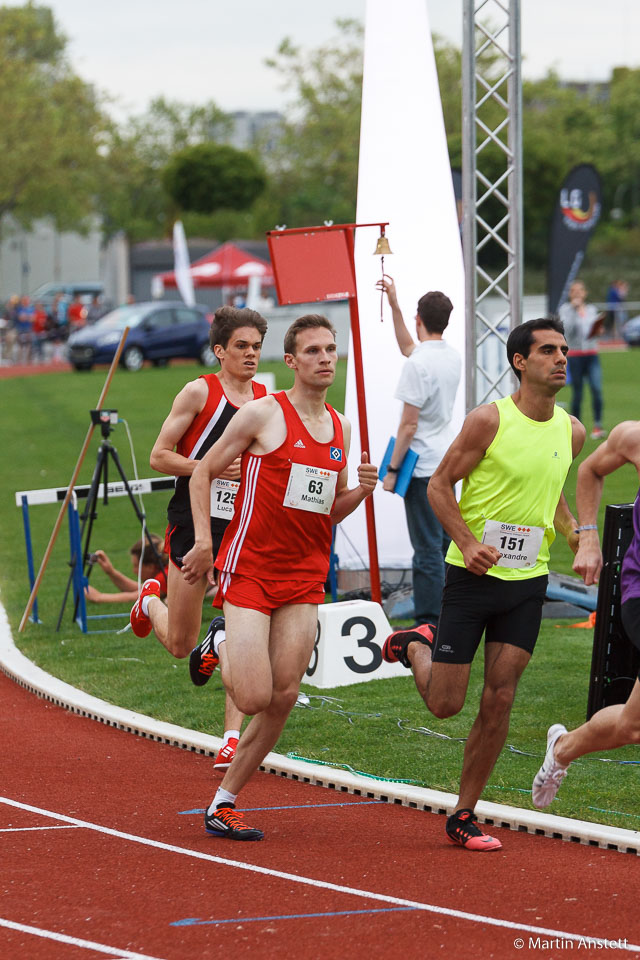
[
  {"x": 209, "y": 177},
  {"x": 132, "y": 197},
  {"x": 314, "y": 166},
  {"x": 50, "y": 124}
]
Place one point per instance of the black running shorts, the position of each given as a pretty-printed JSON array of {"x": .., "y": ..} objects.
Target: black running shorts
[
  {"x": 506, "y": 611},
  {"x": 630, "y": 614},
  {"x": 179, "y": 540}
]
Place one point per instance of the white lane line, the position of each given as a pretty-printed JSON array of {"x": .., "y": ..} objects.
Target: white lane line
[
  {"x": 324, "y": 884},
  {"x": 65, "y": 826},
  {"x": 114, "y": 952}
]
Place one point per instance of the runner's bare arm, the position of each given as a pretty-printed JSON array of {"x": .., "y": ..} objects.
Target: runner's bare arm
[
  {"x": 246, "y": 426},
  {"x": 186, "y": 406},
  {"x": 621, "y": 446},
  {"x": 346, "y": 500},
  {"x": 564, "y": 521},
  {"x": 466, "y": 451}
]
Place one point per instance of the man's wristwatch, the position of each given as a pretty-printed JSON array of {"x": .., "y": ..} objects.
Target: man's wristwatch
[{"x": 391, "y": 469}]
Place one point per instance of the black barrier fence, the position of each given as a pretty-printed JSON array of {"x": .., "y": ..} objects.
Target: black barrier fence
[{"x": 615, "y": 661}]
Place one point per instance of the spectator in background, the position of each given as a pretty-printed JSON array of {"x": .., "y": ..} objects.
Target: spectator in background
[
  {"x": 95, "y": 310},
  {"x": 39, "y": 332},
  {"x": 10, "y": 331},
  {"x": 145, "y": 561},
  {"x": 57, "y": 326},
  {"x": 583, "y": 326},
  {"x": 616, "y": 316},
  {"x": 77, "y": 314},
  {"x": 24, "y": 326}
]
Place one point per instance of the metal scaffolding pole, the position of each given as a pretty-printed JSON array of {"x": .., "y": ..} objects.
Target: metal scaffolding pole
[{"x": 492, "y": 192}]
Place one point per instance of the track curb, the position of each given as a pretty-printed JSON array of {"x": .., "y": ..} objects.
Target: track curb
[{"x": 24, "y": 672}]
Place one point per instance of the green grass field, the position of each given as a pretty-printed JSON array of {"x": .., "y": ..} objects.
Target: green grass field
[{"x": 381, "y": 727}]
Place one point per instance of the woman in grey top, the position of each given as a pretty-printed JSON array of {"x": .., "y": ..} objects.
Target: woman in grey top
[{"x": 583, "y": 325}]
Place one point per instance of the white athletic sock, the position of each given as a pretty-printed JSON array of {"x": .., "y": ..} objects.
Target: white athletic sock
[
  {"x": 219, "y": 636},
  {"x": 228, "y": 734},
  {"x": 222, "y": 796},
  {"x": 144, "y": 606}
]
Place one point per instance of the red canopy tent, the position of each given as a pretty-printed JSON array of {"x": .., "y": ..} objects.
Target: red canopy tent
[{"x": 227, "y": 266}]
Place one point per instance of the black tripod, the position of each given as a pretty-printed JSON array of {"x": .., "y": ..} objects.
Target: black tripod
[{"x": 104, "y": 419}]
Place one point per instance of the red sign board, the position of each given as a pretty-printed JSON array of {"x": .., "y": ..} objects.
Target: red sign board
[{"x": 313, "y": 265}]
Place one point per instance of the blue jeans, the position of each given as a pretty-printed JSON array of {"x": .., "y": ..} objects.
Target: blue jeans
[
  {"x": 581, "y": 368},
  {"x": 430, "y": 544}
]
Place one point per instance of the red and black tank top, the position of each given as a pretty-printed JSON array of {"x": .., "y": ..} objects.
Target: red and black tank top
[{"x": 207, "y": 427}]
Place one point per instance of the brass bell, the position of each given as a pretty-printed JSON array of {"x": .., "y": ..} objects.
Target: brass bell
[{"x": 382, "y": 247}]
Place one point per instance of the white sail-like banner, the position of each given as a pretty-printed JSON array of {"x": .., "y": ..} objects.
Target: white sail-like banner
[
  {"x": 405, "y": 178},
  {"x": 181, "y": 268}
]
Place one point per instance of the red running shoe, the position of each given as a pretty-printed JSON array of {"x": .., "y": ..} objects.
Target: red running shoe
[
  {"x": 226, "y": 754},
  {"x": 140, "y": 623},
  {"x": 395, "y": 646},
  {"x": 461, "y": 829}
]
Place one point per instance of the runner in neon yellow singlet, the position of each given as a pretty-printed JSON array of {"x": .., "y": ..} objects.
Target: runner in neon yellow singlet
[{"x": 513, "y": 457}]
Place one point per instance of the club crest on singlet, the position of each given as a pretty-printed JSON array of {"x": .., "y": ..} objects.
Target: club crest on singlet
[{"x": 336, "y": 454}]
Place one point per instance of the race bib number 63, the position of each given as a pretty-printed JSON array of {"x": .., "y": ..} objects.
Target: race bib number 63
[{"x": 310, "y": 488}]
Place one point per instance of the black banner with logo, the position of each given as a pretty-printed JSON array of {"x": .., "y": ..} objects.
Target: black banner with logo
[{"x": 576, "y": 213}]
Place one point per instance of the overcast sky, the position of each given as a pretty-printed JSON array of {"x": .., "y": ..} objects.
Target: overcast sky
[{"x": 198, "y": 50}]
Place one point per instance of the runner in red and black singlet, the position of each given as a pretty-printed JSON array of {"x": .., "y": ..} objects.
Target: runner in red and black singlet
[
  {"x": 198, "y": 417},
  {"x": 275, "y": 554},
  {"x": 207, "y": 427}
]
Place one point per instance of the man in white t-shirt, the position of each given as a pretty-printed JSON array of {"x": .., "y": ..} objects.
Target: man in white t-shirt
[{"x": 427, "y": 389}]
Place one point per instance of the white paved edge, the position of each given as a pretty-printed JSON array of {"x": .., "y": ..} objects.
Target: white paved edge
[{"x": 15, "y": 665}]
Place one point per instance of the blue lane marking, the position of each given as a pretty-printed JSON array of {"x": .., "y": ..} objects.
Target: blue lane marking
[
  {"x": 196, "y": 922},
  {"x": 296, "y": 806}
]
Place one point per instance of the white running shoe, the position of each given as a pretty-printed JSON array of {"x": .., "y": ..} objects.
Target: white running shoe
[{"x": 551, "y": 774}]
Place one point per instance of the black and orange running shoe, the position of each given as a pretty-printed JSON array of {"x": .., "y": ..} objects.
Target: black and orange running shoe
[
  {"x": 226, "y": 822},
  {"x": 462, "y": 830},
  {"x": 202, "y": 659},
  {"x": 395, "y": 646}
]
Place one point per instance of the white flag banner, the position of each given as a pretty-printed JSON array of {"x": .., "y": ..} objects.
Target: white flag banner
[
  {"x": 404, "y": 178},
  {"x": 184, "y": 280}
]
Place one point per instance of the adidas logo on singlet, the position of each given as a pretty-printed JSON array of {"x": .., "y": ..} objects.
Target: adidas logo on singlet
[{"x": 299, "y": 443}]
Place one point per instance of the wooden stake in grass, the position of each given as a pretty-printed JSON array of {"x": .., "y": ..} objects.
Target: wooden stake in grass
[{"x": 72, "y": 483}]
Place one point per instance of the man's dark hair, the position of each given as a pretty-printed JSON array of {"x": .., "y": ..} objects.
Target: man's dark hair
[
  {"x": 228, "y": 319},
  {"x": 521, "y": 337},
  {"x": 434, "y": 309},
  {"x": 305, "y": 323}
]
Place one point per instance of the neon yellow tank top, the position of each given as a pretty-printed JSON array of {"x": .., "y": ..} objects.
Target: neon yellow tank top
[{"x": 518, "y": 481}]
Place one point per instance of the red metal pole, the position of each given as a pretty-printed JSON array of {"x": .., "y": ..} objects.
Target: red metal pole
[{"x": 374, "y": 570}]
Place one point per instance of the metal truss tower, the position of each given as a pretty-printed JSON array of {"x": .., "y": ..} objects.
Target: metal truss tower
[{"x": 492, "y": 191}]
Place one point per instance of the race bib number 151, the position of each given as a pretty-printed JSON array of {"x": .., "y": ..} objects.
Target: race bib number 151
[{"x": 518, "y": 544}]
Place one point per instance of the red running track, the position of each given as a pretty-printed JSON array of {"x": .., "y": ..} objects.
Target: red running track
[{"x": 104, "y": 854}]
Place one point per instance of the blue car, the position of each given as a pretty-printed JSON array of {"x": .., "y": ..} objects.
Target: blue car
[
  {"x": 158, "y": 331},
  {"x": 631, "y": 332}
]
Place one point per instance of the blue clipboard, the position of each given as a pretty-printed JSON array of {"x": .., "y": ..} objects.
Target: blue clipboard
[{"x": 405, "y": 471}]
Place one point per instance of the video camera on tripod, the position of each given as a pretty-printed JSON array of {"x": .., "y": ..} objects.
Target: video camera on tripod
[{"x": 106, "y": 419}]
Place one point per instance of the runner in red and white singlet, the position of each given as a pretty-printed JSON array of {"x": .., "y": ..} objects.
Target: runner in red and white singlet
[
  {"x": 286, "y": 497},
  {"x": 275, "y": 554}
]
